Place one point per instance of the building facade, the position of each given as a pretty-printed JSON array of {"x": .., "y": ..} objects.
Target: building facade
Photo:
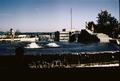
[{"x": 68, "y": 35}]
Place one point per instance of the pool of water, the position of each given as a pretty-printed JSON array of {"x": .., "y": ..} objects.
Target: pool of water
[{"x": 65, "y": 48}]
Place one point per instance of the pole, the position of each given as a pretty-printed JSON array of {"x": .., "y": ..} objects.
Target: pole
[
  {"x": 71, "y": 17},
  {"x": 119, "y": 28},
  {"x": 119, "y": 17}
]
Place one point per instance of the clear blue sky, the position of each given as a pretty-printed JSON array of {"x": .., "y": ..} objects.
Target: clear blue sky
[{"x": 51, "y": 15}]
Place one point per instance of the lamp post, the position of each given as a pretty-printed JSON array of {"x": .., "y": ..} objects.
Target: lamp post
[
  {"x": 119, "y": 29},
  {"x": 12, "y": 34}
]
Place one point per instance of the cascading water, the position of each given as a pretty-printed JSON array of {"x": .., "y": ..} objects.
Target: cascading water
[{"x": 33, "y": 45}]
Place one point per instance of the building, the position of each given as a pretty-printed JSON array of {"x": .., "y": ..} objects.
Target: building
[
  {"x": 64, "y": 35},
  {"x": 68, "y": 35},
  {"x": 48, "y": 36}
]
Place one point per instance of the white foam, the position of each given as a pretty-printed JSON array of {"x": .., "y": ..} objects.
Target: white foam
[
  {"x": 33, "y": 45},
  {"x": 100, "y": 65},
  {"x": 52, "y": 45}
]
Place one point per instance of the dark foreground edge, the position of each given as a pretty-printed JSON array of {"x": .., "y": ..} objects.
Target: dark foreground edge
[{"x": 67, "y": 74}]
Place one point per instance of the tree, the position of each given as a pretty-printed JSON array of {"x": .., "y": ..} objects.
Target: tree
[
  {"x": 91, "y": 26},
  {"x": 107, "y": 24},
  {"x": 17, "y": 33},
  {"x": 57, "y": 35},
  {"x": 7, "y": 33}
]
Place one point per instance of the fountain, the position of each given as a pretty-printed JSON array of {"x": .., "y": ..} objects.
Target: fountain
[
  {"x": 52, "y": 45},
  {"x": 33, "y": 45}
]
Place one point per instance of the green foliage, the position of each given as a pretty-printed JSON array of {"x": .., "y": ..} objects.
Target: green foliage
[
  {"x": 7, "y": 33},
  {"x": 90, "y": 25},
  {"x": 17, "y": 33},
  {"x": 105, "y": 24}
]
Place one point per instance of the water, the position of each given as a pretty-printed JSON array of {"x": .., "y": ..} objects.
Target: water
[{"x": 65, "y": 48}]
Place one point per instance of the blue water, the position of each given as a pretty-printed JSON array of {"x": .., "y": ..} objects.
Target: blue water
[{"x": 65, "y": 48}]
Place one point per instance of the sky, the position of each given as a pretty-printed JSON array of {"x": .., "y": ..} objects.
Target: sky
[{"x": 52, "y": 15}]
